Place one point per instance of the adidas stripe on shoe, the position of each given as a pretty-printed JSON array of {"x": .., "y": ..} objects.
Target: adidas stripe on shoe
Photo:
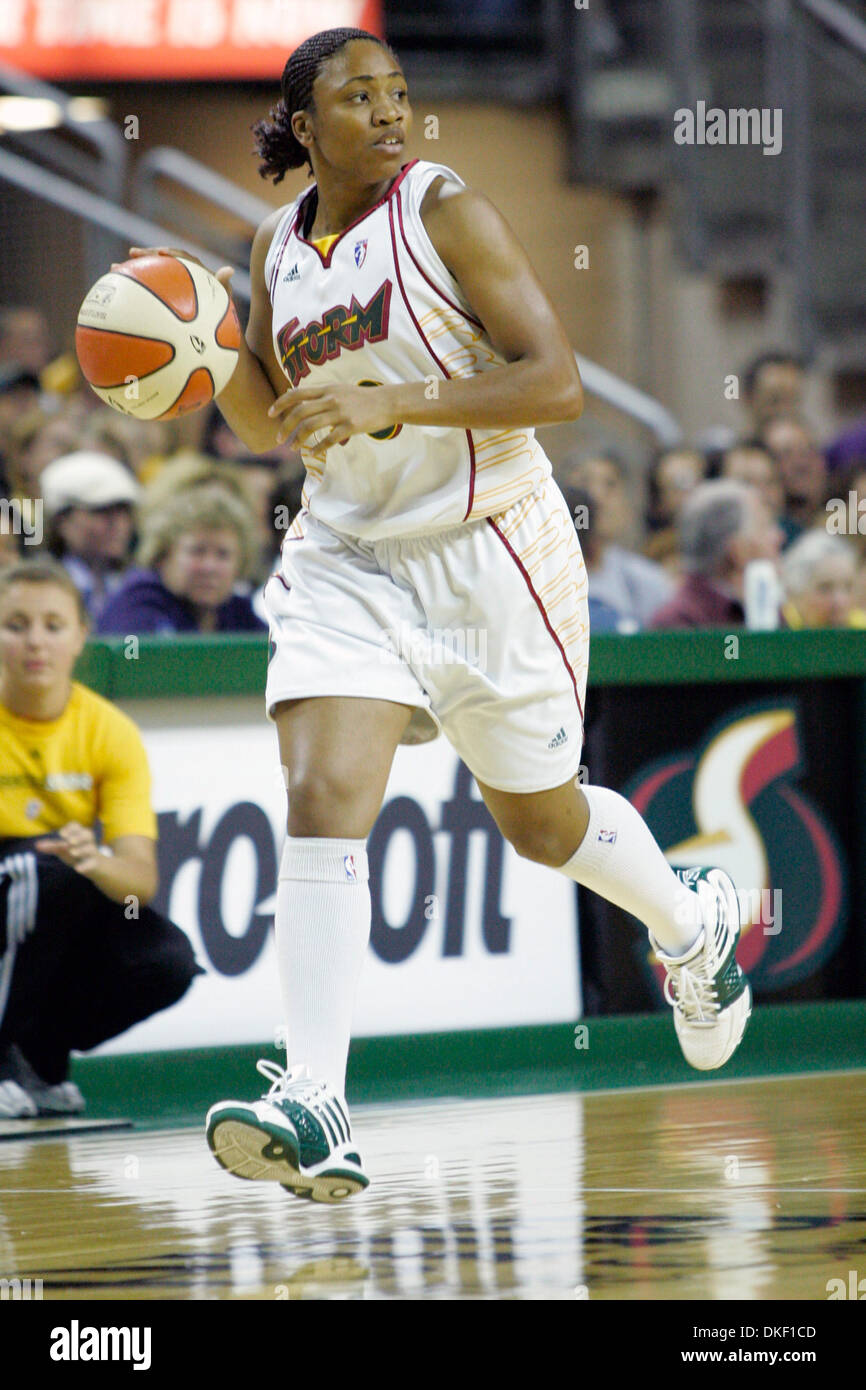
[
  {"x": 297, "y": 1134},
  {"x": 709, "y": 994}
]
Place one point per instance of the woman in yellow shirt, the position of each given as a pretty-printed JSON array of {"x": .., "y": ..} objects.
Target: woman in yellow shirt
[{"x": 82, "y": 956}]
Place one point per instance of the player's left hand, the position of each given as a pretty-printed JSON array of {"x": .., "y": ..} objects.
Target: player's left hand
[
  {"x": 343, "y": 410},
  {"x": 76, "y": 845}
]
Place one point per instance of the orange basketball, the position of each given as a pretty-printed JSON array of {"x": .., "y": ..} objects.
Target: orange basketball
[{"x": 157, "y": 336}]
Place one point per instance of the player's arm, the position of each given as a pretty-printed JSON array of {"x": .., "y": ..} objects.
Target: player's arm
[
  {"x": 258, "y": 378},
  {"x": 129, "y": 870},
  {"x": 540, "y": 383}
]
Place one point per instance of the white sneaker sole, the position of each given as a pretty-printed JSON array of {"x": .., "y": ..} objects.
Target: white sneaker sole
[{"x": 257, "y": 1149}]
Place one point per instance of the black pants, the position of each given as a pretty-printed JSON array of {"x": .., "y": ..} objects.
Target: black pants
[{"x": 74, "y": 968}]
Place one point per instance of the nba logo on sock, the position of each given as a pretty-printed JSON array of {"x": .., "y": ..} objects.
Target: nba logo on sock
[
  {"x": 360, "y": 252},
  {"x": 349, "y": 866},
  {"x": 607, "y": 837}
]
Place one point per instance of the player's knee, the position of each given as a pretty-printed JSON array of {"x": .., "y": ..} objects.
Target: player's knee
[
  {"x": 541, "y": 843},
  {"x": 326, "y": 802}
]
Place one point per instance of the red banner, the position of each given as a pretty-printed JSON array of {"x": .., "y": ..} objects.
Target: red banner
[{"x": 219, "y": 39}]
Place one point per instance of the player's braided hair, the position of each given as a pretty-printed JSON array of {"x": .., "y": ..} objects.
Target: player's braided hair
[{"x": 275, "y": 140}]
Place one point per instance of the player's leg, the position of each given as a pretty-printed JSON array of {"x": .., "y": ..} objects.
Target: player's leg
[
  {"x": 514, "y": 712},
  {"x": 336, "y": 754},
  {"x": 596, "y": 837},
  {"x": 618, "y": 858}
]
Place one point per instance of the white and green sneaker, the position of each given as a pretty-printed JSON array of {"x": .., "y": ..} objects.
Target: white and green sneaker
[
  {"x": 709, "y": 993},
  {"x": 298, "y": 1135}
]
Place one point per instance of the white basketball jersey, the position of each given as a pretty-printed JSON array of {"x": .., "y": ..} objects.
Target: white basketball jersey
[{"x": 381, "y": 307}]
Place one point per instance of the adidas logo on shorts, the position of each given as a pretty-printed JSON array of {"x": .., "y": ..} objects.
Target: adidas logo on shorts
[{"x": 558, "y": 739}]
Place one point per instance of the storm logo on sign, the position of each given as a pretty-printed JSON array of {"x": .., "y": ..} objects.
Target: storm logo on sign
[{"x": 733, "y": 802}]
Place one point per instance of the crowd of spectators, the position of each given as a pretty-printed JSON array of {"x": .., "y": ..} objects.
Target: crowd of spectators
[
  {"x": 670, "y": 546},
  {"x": 165, "y": 533},
  {"x": 164, "y": 526}
]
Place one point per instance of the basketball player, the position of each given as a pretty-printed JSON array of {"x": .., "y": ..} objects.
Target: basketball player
[{"x": 420, "y": 350}]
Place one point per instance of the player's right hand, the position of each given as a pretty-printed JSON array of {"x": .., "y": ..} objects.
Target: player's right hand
[{"x": 224, "y": 274}]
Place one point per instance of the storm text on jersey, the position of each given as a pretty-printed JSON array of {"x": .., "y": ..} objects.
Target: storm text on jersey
[{"x": 323, "y": 339}]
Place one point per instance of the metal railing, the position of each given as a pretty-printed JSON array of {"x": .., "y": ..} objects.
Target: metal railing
[
  {"x": 798, "y": 33},
  {"x": 127, "y": 227},
  {"x": 102, "y": 210},
  {"x": 841, "y": 22},
  {"x": 104, "y": 170},
  {"x": 636, "y": 404},
  {"x": 166, "y": 165}
]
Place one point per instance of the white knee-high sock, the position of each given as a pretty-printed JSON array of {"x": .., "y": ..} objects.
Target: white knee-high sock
[
  {"x": 619, "y": 859},
  {"x": 322, "y": 925}
]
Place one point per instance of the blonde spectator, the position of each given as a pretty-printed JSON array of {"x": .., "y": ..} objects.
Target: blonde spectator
[
  {"x": 76, "y": 968},
  {"x": 195, "y": 551},
  {"x": 854, "y": 482},
  {"x": 188, "y": 469},
  {"x": 818, "y": 575},
  {"x": 252, "y": 484}
]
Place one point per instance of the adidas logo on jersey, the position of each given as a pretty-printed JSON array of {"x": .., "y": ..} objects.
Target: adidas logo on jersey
[
  {"x": 558, "y": 739},
  {"x": 292, "y": 274}
]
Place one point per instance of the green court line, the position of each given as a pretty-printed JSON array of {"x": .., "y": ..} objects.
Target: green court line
[{"x": 170, "y": 1089}]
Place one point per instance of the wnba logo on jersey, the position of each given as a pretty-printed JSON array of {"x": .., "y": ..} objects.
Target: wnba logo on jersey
[
  {"x": 360, "y": 252},
  {"x": 351, "y": 867},
  {"x": 321, "y": 340}
]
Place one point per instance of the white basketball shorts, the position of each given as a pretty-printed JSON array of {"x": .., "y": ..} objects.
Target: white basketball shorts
[{"x": 483, "y": 628}]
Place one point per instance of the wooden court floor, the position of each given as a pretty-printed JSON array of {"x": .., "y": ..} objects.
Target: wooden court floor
[{"x": 730, "y": 1190}]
